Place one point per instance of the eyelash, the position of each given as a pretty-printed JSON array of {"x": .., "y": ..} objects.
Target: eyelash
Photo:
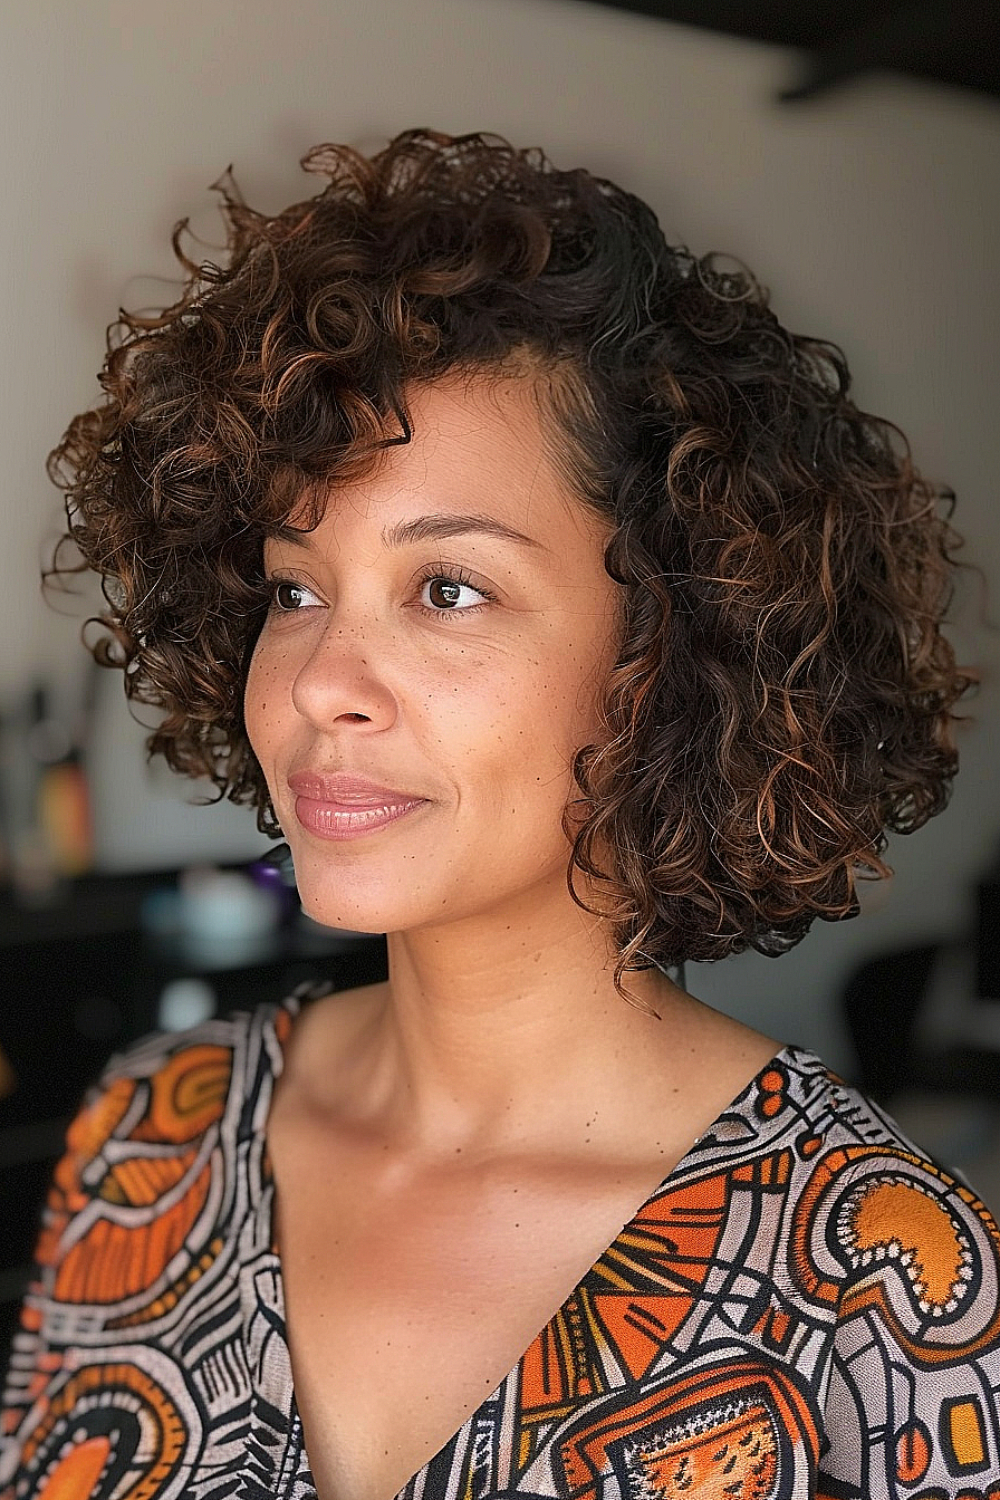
[{"x": 443, "y": 572}]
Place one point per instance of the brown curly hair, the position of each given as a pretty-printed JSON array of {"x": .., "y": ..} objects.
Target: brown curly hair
[{"x": 782, "y": 694}]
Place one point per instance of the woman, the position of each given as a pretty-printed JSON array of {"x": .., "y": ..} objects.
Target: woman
[{"x": 569, "y": 621}]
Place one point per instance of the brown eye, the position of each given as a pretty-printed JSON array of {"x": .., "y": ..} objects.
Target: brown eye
[
  {"x": 444, "y": 593},
  {"x": 288, "y": 596}
]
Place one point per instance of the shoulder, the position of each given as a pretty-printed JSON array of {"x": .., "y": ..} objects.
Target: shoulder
[
  {"x": 232, "y": 1036},
  {"x": 896, "y": 1260},
  {"x": 153, "y": 1155},
  {"x": 874, "y": 1198},
  {"x": 150, "y": 1209},
  {"x": 168, "y": 1088},
  {"x": 864, "y": 1221},
  {"x": 906, "y": 1256}
]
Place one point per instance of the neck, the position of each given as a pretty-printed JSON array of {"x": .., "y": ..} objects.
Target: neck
[{"x": 493, "y": 1027}]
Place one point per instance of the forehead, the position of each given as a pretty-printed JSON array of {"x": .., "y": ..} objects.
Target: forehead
[{"x": 479, "y": 445}]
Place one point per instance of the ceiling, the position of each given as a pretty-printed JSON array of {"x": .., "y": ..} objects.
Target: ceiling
[{"x": 951, "y": 41}]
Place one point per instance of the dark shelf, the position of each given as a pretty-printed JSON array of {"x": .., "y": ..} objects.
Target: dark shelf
[{"x": 88, "y": 906}]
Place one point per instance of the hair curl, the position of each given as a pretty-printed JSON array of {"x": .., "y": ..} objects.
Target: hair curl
[{"x": 782, "y": 694}]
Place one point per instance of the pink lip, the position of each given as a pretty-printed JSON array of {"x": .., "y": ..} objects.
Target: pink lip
[
  {"x": 338, "y": 806},
  {"x": 332, "y": 822},
  {"x": 346, "y": 790}
]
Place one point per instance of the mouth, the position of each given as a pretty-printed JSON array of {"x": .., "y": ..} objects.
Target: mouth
[
  {"x": 330, "y": 821},
  {"x": 339, "y": 806},
  {"x": 348, "y": 789}
]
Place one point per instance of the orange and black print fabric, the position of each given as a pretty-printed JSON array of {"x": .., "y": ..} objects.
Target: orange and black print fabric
[{"x": 806, "y": 1307}]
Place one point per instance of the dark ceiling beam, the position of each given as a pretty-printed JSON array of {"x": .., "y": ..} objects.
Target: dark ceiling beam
[
  {"x": 950, "y": 41},
  {"x": 930, "y": 38}
]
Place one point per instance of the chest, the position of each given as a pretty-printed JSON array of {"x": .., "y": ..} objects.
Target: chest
[{"x": 408, "y": 1302}]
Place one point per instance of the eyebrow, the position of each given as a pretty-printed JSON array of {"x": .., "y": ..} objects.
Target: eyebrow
[
  {"x": 434, "y": 528},
  {"x": 430, "y": 528}
]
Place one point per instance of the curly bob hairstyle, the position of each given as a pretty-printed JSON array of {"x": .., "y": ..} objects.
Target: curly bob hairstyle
[{"x": 782, "y": 694}]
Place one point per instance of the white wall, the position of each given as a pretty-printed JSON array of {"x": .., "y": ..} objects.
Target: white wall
[{"x": 872, "y": 215}]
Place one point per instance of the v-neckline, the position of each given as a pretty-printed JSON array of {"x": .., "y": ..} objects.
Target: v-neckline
[{"x": 290, "y": 1007}]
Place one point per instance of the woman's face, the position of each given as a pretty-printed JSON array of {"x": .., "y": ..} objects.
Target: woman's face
[{"x": 442, "y": 636}]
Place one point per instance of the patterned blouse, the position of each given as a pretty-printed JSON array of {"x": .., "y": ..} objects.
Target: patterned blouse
[{"x": 805, "y": 1307}]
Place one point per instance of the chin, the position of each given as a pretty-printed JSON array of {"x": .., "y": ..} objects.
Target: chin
[
  {"x": 338, "y": 899},
  {"x": 346, "y": 916}
]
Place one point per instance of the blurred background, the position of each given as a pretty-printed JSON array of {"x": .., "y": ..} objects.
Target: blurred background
[{"x": 849, "y": 153}]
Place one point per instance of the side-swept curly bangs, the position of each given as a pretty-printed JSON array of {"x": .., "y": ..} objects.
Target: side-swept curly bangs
[{"x": 783, "y": 693}]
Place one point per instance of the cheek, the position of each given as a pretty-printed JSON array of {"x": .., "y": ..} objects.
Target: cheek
[
  {"x": 262, "y": 698},
  {"x": 545, "y": 716}
]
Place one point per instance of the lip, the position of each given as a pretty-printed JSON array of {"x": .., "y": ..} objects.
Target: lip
[
  {"x": 328, "y": 821},
  {"x": 346, "y": 790},
  {"x": 337, "y": 806}
]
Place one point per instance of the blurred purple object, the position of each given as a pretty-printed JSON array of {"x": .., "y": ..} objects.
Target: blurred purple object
[{"x": 276, "y": 873}]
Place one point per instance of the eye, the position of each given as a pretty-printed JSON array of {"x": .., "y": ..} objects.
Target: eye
[
  {"x": 287, "y": 596},
  {"x": 451, "y": 593}
]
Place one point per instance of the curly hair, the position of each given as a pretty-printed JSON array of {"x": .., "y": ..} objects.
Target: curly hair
[{"x": 783, "y": 692}]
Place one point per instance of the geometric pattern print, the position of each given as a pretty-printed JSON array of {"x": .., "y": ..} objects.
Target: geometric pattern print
[
  {"x": 807, "y": 1306},
  {"x": 137, "y": 1368}
]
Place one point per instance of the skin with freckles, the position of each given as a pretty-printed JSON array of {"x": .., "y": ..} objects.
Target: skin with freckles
[
  {"x": 454, "y": 1149},
  {"x": 475, "y": 702}
]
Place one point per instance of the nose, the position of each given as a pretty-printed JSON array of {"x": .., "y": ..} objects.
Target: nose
[{"x": 340, "y": 680}]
